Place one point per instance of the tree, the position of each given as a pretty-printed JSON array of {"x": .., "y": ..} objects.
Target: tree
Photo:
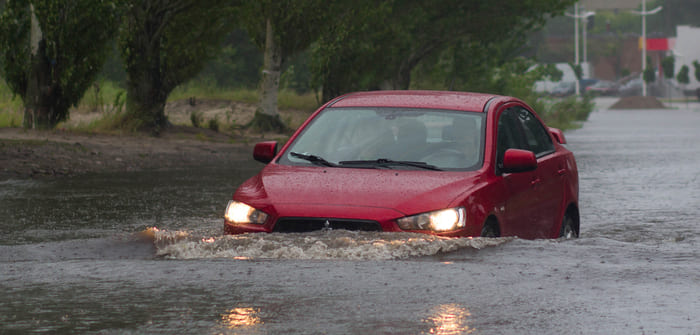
[
  {"x": 649, "y": 75},
  {"x": 281, "y": 28},
  {"x": 696, "y": 65},
  {"x": 683, "y": 78},
  {"x": 163, "y": 44},
  {"x": 51, "y": 52},
  {"x": 667, "y": 64},
  {"x": 391, "y": 39}
]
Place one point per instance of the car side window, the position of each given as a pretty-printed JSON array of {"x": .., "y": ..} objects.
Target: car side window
[
  {"x": 509, "y": 134},
  {"x": 537, "y": 137}
]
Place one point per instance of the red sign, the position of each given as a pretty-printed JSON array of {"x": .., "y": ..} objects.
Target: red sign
[{"x": 656, "y": 44}]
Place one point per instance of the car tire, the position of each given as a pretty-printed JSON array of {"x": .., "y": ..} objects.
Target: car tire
[
  {"x": 568, "y": 229},
  {"x": 490, "y": 229}
]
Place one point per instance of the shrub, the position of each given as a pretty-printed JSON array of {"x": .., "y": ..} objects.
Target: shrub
[{"x": 196, "y": 118}]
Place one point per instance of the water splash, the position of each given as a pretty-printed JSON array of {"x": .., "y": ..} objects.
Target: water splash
[{"x": 336, "y": 244}]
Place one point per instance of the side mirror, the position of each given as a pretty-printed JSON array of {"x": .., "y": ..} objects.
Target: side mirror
[
  {"x": 516, "y": 160},
  {"x": 264, "y": 152},
  {"x": 558, "y": 135}
]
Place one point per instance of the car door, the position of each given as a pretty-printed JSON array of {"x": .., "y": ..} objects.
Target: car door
[
  {"x": 547, "y": 186},
  {"x": 520, "y": 210}
]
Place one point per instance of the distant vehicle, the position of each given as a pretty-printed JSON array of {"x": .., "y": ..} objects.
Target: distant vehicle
[
  {"x": 564, "y": 89},
  {"x": 444, "y": 163},
  {"x": 659, "y": 88},
  {"x": 567, "y": 88},
  {"x": 632, "y": 88},
  {"x": 603, "y": 87}
]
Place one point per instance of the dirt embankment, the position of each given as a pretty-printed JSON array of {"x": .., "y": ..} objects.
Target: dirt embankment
[
  {"x": 48, "y": 154},
  {"x": 636, "y": 102},
  {"x": 41, "y": 154}
]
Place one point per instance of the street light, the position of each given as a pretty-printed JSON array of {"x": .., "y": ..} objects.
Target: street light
[
  {"x": 577, "y": 17},
  {"x": 644, "y": 14}
]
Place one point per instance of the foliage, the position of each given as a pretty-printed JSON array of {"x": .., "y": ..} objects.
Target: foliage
[
  {"x": 390, "y": 39},
  {"x": 282, "y": 28},
  {"x": 566, "y": 113},
  {"x": 163, "y": 44},
  {"x": 517, "y": 78},
  {"x": 102, "y": 96},
  {"x": 696, "y": 65},
  {"x": 683, "y": 76},
  {"x": 649, "y": 75},
  {"x": 578, "y": 70},
  {"x": 667, "y": 64},
  {"x": 214, "y": 124},
  {"x": 296, "y": 22},
  {"x": 196, "y": 119},
  {"x": 237, "y": 65},
  {"x": 52, "y": 74},
  {"x": 10, "y": 107}
]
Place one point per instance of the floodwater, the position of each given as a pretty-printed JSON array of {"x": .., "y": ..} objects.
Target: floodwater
[{"x": 142, "y": 252}]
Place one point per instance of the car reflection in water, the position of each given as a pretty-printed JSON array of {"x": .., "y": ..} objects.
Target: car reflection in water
[{"x": 450, "y": 319}]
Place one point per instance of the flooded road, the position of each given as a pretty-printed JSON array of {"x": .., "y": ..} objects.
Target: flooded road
[{"x": 142, "y": 252}]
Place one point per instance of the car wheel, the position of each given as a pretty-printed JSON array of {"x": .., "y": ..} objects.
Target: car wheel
[
  {"x": 490, "y": 229},
  {"x": 568, "y": 230}
]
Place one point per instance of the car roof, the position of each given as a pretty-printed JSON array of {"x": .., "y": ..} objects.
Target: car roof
[{"x": 462, "y": 101}]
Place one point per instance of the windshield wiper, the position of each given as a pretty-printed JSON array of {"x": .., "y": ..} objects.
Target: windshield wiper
[
  {"x": 387, "y": 162},
  {"x": 318, "y": 160}
]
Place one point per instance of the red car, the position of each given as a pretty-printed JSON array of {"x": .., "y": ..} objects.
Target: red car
[{"x": 443, "y": 163}]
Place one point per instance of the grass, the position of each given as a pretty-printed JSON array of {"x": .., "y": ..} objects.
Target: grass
[
  {"x": 286, "y": 99},
  {"x": 212, "y": 92},
  {"x": 102, "y": 96},
  {"x": 11, "y": 114}
]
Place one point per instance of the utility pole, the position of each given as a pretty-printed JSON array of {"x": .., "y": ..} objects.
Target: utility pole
[
  {"x": 644, "y": 14},
  {"x": 578, "y": 17}
]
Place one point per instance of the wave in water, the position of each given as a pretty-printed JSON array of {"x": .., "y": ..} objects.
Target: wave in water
[{"x": 335, "y": 244}]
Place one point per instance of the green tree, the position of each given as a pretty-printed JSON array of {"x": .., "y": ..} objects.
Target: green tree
[
  {"x": 388, "y": 41},
  {"x": 649, "y": 75},
  {"x": 667, "y": 64},
  {"x": 696, "y": 65},
  {"x": 51, "y": 52},
  {"x": 163, "y": 44},
  {"x": 683, "y": 76},
  {"x": 282, "y": 28}
]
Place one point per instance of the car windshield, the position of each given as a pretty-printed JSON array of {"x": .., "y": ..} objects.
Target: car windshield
[{"x": 390, "y": 138}]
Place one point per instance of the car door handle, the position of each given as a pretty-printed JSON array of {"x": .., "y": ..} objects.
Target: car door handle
[
  {"x": 535, "y": 181},
  {"x": 561, "y": 172}
]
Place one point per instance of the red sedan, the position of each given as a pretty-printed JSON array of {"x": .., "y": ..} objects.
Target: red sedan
[{"x": 444, "y": 163}]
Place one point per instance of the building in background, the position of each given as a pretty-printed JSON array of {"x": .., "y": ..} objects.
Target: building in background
[
  {"x": 610, "y": 4},
  {"x": 686, "y": 50}
]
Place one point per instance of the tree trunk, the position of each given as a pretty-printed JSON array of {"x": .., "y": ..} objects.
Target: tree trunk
[
  {"x": 145, "y": 104},
  {"x": 147, "y": 92},
  {"x": 146, "y": 98},
  {"x": 42, "y": 110},
  {"x": 267, "y": 117}
]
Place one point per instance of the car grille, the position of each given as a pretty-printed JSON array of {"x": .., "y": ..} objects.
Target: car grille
[{"x": 300, "y": 225}]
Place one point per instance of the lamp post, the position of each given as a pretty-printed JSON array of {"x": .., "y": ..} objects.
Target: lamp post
[
  {"x": 578, "y": 17},
  {"x": 644, "y": 14}
]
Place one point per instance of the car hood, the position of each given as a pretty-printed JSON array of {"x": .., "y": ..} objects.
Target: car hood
[{"x": 405, "y": 191}]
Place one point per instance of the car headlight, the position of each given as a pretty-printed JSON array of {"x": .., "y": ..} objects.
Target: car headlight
[
  {"x": 442, "y": 220},
  {"x": 238, "y": 212}
]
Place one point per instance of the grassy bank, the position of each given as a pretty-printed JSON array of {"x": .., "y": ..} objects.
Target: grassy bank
[
  {"x": 102, "y": 107},
  {"x": 10, "y": 107}
]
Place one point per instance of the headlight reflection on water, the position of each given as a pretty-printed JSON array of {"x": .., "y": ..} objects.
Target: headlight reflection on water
[
  {"x": 240, "y": 317},
  {"x": 449, "y": 319}
]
